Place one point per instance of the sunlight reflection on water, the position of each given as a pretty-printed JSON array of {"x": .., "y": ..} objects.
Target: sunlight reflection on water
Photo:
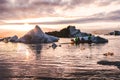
[{"x": 67, "y": 61}]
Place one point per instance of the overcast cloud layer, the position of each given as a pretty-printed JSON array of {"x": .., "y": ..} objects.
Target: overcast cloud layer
[{"x": 87, "y": 10}]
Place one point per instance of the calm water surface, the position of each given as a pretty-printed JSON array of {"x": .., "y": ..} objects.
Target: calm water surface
[{"x": 36, "y": 62}]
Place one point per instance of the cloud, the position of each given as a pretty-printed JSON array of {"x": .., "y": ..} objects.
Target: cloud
[
  {"x": 106, "y": 2},
  {"x": 19, "y": 9},
  {"x": 101, "y": 17},
  {"x": 85, "y": 2},
  {"x": 22, "y": 9}
]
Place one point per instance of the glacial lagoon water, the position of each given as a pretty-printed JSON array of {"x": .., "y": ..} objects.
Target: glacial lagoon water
[{"x": 20, "y": 61}]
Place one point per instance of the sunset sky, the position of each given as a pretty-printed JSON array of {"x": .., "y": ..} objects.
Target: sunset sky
[{"x": 60, "y": 12}]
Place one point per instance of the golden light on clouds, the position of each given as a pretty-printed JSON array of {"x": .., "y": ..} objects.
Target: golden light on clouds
[
  {"x": 24, "y": 27},
  {"x": 47, "y": 13}
]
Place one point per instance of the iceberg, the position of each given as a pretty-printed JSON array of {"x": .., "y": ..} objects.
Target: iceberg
[{"x": 36, "y": 35}]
